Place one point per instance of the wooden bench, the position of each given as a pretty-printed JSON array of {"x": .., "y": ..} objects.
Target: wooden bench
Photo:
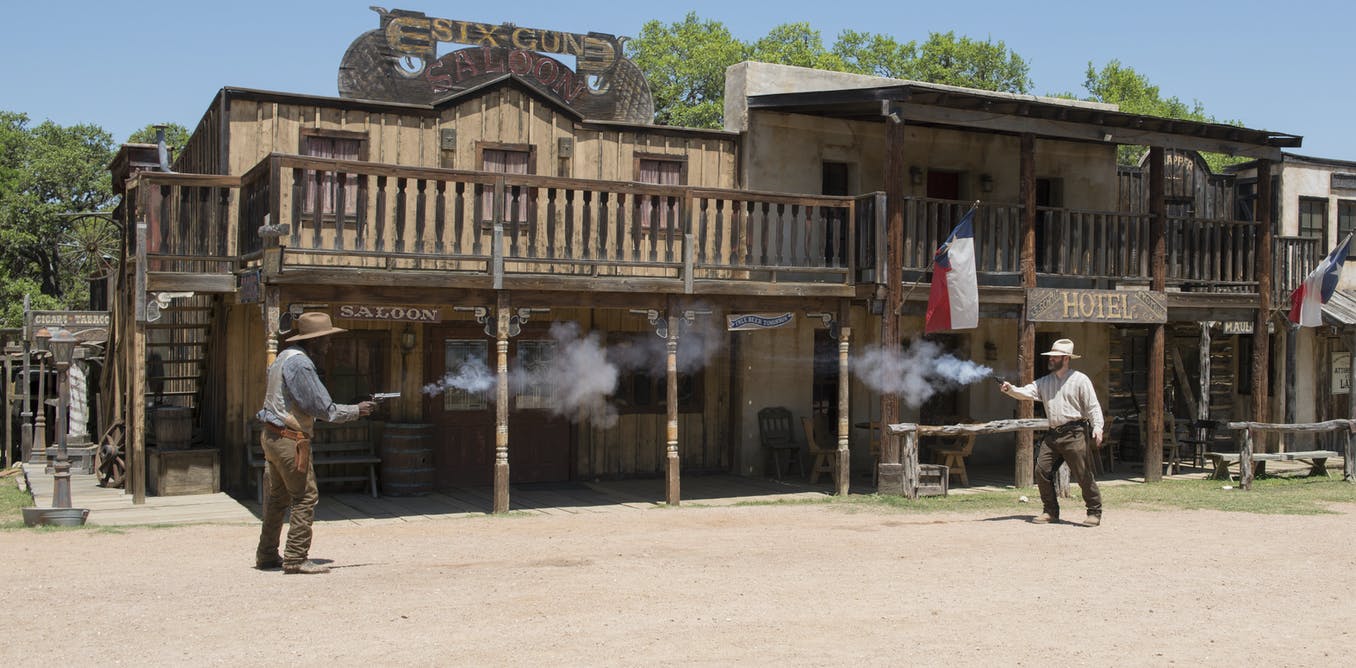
[
  {"x": 344, "y": 444},
  {"x": 1316, "y": 459}
]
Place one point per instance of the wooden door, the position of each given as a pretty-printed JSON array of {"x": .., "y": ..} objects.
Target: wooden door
[{"x": 464, "y": 412}]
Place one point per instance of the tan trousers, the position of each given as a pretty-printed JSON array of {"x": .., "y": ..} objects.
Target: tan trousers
[
  {"x": 286, "y": 486},
  {"x": 1071, "y": 447}
]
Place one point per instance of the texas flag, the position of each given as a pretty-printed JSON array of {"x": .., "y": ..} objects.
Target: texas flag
[
  {"x": 954, "y": 300},
  {"x": 1306, "y": 302}
]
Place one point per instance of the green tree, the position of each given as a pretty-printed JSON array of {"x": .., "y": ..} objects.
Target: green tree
[
  {"x": 176, "y": 136},
  {"x": 46, "y": 172},
  {"x": 685, "y": 64},
  {"x": 795, "y": 44},
  {"x": 1133, "y": 93}
]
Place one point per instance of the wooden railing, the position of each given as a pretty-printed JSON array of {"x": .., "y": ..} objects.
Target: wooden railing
[
  {"x": 187, "y": 218},
  {"x": 479, "y": 221},
  {"x": 1292, "y": 259},
  {"x": 1212, "y": 254}
]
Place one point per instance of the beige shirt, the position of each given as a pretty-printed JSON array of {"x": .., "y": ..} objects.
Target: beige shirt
[{"x": 1066, "y": 399}]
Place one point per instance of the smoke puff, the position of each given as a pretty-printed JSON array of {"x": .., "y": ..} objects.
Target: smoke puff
[{"x": 917, "y": 372}]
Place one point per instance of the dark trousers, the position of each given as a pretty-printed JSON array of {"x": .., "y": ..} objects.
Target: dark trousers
[
  {"x": 286, "y": 486},
  {"x": 1071, "y": 447}
]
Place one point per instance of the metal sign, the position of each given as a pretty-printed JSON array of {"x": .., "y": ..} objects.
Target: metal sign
[
  {"x": 84, "y": 325},
  {"x": 1113, "y": 306},
  {"x": 389, "y": 313},
  {"x": 250, "y": 290},
  {"x": 1341, "y": 373},
  {"x": 398, "y": 62},
  {"x": 751, "y": 321}
]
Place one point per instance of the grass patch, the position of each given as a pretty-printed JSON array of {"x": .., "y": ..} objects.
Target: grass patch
[
  {"x": 1269, "y": 495},
  {"x": 12, "y": 499}
]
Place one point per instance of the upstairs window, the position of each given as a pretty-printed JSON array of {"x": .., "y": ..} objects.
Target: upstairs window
[
  {"x": 1346, "y": 219},
  {"x": 338, "y": 145},
  {"x": 1313, "y": 219},
  {"x": 506, "y": 159},
  {"x": 660, "y": 212}
]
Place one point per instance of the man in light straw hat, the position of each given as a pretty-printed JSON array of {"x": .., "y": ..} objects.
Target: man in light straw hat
[
  {"x": 1074, "y": 412},
  {"x": 293, "y": 400}
]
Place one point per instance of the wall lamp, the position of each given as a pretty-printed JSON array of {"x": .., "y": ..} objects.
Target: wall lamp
[
  {"x": 916, "y": 175},
  {"x": 986, "y": 183}
]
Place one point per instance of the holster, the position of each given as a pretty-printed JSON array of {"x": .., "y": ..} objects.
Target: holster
[{"x": 303, "y": 454}]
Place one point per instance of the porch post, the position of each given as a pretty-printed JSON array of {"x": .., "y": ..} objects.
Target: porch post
[
  {"x": 1203, "y": 408},
  {"x": 1158, "y": 274},
  {"x": 673, "y": 466},
  {"x": 1349, "y": 459},
  {"x": 135, "y": 480},
  {"x": 501, "y": 433},
  {"x": 1025, "y": 460},
  {"x": 843, "y": 471},
  {"x": 272, "y": 322},
  {"x": 1260, "y": 337},
  {"x": 890, "y": 473}
]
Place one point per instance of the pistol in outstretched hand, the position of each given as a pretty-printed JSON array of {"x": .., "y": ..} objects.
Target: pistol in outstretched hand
[{"x": 383, "y": 396}]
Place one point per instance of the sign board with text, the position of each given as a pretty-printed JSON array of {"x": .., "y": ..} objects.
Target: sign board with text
[{"x": 1110, "y": 306}]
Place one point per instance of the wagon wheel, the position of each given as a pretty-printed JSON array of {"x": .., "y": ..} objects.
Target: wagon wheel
[
  {"x": 90, "y": 246},
  {"x": 110, "y": 460}
]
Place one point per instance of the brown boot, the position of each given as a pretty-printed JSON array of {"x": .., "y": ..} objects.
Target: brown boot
[
  {"x": 1092, "y": 520},
  {"x": 268, "y": 563},
  {"x": 307, "y": 567},
  {"x": 1046, "y": 518}
]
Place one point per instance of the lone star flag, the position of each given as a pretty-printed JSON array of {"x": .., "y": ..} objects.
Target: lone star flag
[
  {"x": 1306, "y": 302},
  {"x": 953, "y": 302}
]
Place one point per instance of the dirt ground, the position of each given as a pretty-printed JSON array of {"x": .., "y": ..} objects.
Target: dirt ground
[{"x": 760, "y": 585}]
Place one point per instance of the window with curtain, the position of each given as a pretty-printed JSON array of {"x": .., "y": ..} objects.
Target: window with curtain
[
  {"x": 505, "y": 161},
  {"x": 341, "y": 148},
  {"x": 1313, "y": 218},
  {"x": 468, "y": 361},
  {"x": 1346, "y": 219},
  {"x": 656, "y": 212}
]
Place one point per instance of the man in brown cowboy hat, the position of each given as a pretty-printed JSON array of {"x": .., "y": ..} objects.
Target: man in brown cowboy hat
[
  {"x": 1074, "y": 412},
  {"x": 293, "y": 400}
]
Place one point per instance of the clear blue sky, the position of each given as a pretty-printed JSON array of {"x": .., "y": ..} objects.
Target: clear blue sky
[{"x": 122, "y": 65}]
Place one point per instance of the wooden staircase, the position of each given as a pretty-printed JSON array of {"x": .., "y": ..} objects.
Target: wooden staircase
[{"x": 177, "y": 350}]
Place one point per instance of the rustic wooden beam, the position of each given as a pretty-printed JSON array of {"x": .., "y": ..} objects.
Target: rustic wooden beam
[
  {"x": 1089, "y": 131},
  {"x": 843, "y": 471},
  {"x": 672, "y": 463},
  {"x": 135, "y": 478},
  {"x": 1024, "y": 462},
  {"x": 1349, "y": 459},
  {"x": 991, "y": 427},
  {"x": 1260, "y": 337},
  {"x": 501, "y": 407},
  {"x": 1203, "y": 409},
  {"x": 890, "y": 473},
  {"x": 174, "y": 281},
  {"x": 1158, "y": 272}
]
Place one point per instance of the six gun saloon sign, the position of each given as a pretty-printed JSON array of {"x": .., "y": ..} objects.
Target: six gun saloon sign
[
  {"x": 1056, "y": 305},
  {"x": 389, "y": 313}
]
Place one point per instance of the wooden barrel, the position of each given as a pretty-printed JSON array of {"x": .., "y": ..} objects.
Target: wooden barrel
[
  {"x": 407, "y": 459},
  {"x": 173, "y": 427}
]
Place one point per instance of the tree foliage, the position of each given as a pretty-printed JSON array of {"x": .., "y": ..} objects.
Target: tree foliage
[
  {"x": 47, "y": 171},
  {"x": 176, "y": 136},
  {"x": 685, "y": 62},
  {"x": 1133, "y": 93}
]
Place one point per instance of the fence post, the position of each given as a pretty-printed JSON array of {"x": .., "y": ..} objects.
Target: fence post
[{"x": 1245, "y": 461}]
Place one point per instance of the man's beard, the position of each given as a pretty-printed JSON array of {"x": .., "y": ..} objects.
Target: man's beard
[{"x": 1057, "y": 363}]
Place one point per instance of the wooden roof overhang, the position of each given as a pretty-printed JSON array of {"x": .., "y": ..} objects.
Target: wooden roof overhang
[{"x": 1005, "y": 113}]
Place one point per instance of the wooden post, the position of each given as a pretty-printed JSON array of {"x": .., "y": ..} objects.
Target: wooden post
[
  {"x": 1158, "y": 273},
  {"x": 1025, "y": 460},
  {"x": 843, "y": 471},
  {"x": 9, "y": 409},
  {"x": 1245, "y": 461},
  {"x": 889, "y": 471},
  {"x": 501, "y": 408},
  {"x": 909, "y": 455},
  {"x": 1203, "y": 408},
  {"x": 672, "y": 464},
  {"x": 1349, "y": 459},
  {"x": 26, "y": 428},
  {"x": 135, "y": 479},
  {"x": 1260, "y": 337},
  {"x": 272, "y": 322}
]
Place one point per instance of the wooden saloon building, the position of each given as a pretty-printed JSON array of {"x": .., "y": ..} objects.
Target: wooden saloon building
[{"x": 449, "y": 215}]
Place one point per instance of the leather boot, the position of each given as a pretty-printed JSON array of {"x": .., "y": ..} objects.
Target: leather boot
[
  {"x": 1092, "y": 520},
  {"x": 268, "y": 563},
  {"x": 307, "y": 567},
  {"x": 1046, "y": 518}
]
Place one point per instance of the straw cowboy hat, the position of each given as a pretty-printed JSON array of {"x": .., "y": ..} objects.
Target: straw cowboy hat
[
  {"x": 313, "y": 325},
  {"x": 1060, "y": 347}
]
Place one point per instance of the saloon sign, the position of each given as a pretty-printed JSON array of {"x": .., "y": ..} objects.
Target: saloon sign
[
  {"x": 399, "y": 62},
  {"x": 1114, "y": 306},
  {"x": 389, "y": 313}
]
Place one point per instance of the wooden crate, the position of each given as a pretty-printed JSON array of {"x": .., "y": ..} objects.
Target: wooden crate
[
  {"x": 177, "y": 472},
  {"x": 932, "y": 480}
]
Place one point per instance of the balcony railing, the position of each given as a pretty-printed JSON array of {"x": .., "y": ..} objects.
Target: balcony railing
[
  {"x": 409, "y": 218},
  {"x": 1292, "y": 259},
  {"x": 187, "y": 217}
]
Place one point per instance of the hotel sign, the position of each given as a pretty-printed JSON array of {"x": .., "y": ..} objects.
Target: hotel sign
[{"x": 1111, "y": 306}]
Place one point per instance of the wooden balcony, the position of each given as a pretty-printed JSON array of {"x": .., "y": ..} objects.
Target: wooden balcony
[{"x": 334, "y": 218}]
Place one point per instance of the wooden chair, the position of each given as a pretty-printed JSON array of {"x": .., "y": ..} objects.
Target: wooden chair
[
  {"x": 952, "y": 455},
  {"x": 777, "y": 437},
  {"x": 1172, "y": 449},
  {"x": 823, "y": 458}
]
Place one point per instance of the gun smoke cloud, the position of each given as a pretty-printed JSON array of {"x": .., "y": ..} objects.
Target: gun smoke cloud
[{"x": 916, "y": 373}]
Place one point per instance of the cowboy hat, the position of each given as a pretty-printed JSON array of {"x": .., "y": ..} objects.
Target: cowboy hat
[
  {"x": 1063, "y": 347},
  {"x": 312, "y": 325}
]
